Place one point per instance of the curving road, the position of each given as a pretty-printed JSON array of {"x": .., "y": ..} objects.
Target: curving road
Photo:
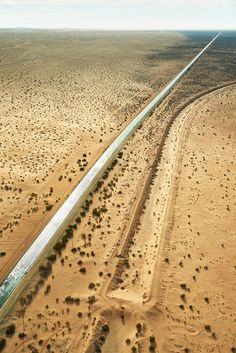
[{"x": 65, "y": 212}]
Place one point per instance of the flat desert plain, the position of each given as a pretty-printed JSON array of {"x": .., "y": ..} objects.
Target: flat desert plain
[
  {"x": 149, "y": 265},
  {"x": 64, "y": 98}
]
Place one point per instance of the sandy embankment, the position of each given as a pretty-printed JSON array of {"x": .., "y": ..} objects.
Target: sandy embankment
[
  {"x": 198, "y": 299},
  {"x": 181, "y": 275}
]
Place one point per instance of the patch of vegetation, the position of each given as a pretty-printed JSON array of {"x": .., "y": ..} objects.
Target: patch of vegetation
[
  {"x": 49, "y": 207},
  {"x": 139, "y": 327},
  {"x": 127, "y": 341},
  {"x": 82, "y": 270},
  {"x": 45, "y": 270},
  {"x": 52, "y": 258},
  {"x": 69, "y": 300},
  {"x": 97, "y": 347},
  {"x": 126, "y": 263},
  {"x": 92, "y": 299},
  {"x": 47, "y": 290},
  {"x": 105, "y": 328},
  {"x": 183, "y": 286},
  {"x": 2, "y": 344},
  {"x": 58, "y": 247},
  {"x": 80, "y": 315},
  {"x": 152, "y": 346},
  {"x": 120, "y": 155},
  {"x": 207, "y": 328},
  {"x": 183, "y": 297},
  {"x": 10, "y": 330},
  {"x": 78, "y": 220},
  {"x": 21, "y": 335}
]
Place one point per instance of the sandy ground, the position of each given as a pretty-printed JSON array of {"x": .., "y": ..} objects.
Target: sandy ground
[
  {"x": 169, "y": 285},
  {"x": 198, "y": 281},
  {"x": 64, "y": 97},
  {"x": 181, "y": 274},
  {"x": 149, "y": 268},
  {"x": 95, "y": 247}
]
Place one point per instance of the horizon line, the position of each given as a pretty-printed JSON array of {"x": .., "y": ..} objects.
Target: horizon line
[{"x": 118, "y": 29}]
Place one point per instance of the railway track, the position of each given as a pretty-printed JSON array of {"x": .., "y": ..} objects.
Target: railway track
[{"x": 64, "y": 214}]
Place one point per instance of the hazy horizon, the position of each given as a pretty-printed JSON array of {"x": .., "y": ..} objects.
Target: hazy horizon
[
  {"x": 118, "y": 29},
  {"x": 119, "y": 14}
]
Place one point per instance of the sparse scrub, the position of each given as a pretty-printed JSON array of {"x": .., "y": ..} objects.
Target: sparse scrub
[
  {"x": 207, "y": 328},
  {"x": 49, "y": 207},
  {"x": 152, "y": 345},
  {"x": 2, "y": 344},
  {"x": 82, "y": 270},
  {"x": 105, "y": 328},
  {"x": 22, "y": 335}
]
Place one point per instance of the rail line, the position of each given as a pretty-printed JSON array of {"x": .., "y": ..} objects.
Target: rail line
[{"x": 66, "y": 211}]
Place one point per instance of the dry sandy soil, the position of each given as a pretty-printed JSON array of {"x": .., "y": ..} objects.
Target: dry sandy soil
[
  {"x": 182, "y": 260},
  {"x": 169, "y": 285},
  {"x": 64, "y": 97},
  {"x": 151, "y": 264}
]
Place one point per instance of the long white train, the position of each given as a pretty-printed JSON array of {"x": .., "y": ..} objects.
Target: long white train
[{"x": 64, "y": 214}]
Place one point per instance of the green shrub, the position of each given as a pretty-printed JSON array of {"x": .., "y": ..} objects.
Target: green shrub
[
  {"x": 52, "y": 258},
  {"x": 91, "y": 286},
  {"x": 183, "y": 286},
  {"x": 10, "y": 330},
  {"x": 92, "y": 299},
  {"x": 45, "y": 270},
  {"x": 127, "y": 341},
  {"x": 97, "y": 347},
  {"x": 82, "y": 270},
  {"x": 78, "y": 220},
  {"x": 58, "y": 247},
  {"x": 2, "y": 344},
  {"x": 48, "y": 207},
  {"x": 208, "y": 328},
  {"x": 21, "y": 335},
  {"x": 105, "y": 328}
]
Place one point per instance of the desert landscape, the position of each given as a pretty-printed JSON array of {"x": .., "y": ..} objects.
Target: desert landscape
[
  {"x": 60, "y": 111},
  {"x": 148, "y": 262}
]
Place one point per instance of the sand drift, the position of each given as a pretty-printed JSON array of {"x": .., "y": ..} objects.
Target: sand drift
[{"x": 77, "y": 196}]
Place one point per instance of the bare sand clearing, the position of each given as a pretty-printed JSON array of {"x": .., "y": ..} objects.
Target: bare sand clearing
[
  {"x": 166, "y": 285},
  {"x": 64, "y": 97}
]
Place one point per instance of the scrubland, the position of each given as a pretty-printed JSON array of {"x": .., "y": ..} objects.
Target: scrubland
[{"x": 148, "y": 262}]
